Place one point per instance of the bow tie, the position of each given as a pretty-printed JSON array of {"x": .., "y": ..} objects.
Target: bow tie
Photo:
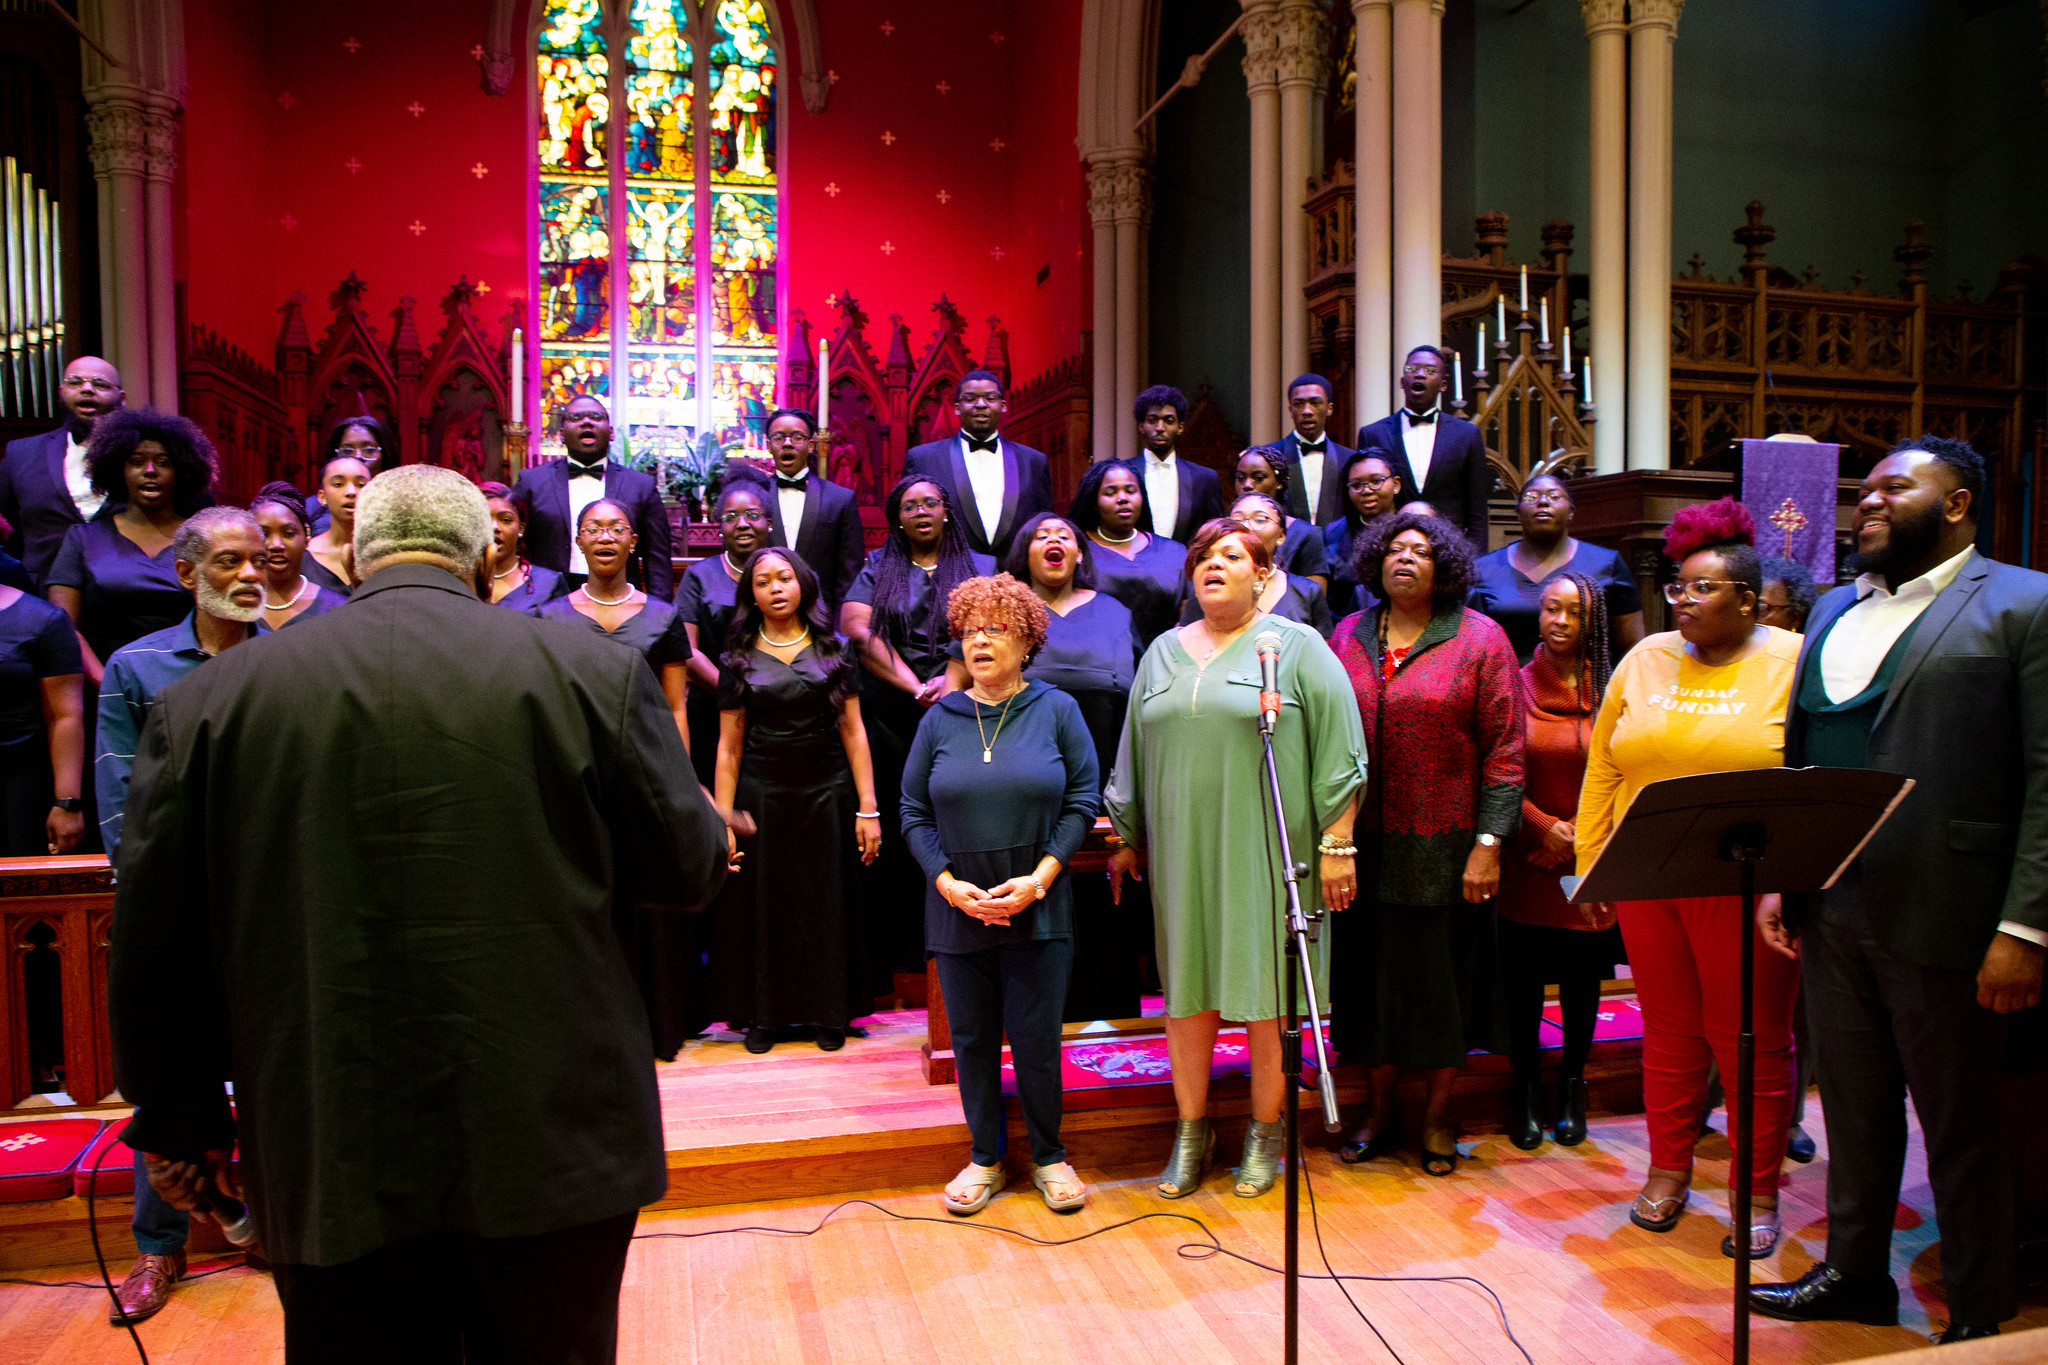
[
  {"x": 1421, "y": 419},
  {"x": 974, "y": 445},
  {"x": 1323, "y": 444},
  {"x": 586, "y": 471},
  {"x": 784, "y": 481}
]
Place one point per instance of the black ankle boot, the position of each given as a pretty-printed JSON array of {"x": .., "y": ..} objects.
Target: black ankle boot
[
  {"x": 1571, "y": 1111},
  {"x": 1525, "y": 1113}
]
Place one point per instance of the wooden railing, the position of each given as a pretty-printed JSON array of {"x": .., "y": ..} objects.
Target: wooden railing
[{"x": 63, "y": 906}]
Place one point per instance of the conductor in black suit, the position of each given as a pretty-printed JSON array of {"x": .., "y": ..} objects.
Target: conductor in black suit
[
  {"x": 1179, "y": 495},
  {"x": 553, "y": 495},
  {"x": 1317, "y": 460},
  {"x": 817, "y": 518},
  {"x": 442, "y": 1069},
  {"x": 1441, "y": 459},
  {"x": 1934, "y": 664},
  {"x": 45, "y": 489},
  {"x": 995, "y": 485}
]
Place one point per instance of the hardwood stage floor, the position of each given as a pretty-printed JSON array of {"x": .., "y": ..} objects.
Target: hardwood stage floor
[{"x": 1548, "y": 1230}]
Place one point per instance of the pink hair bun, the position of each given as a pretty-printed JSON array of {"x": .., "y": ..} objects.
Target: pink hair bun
[{"x": 1708, "y": 523}]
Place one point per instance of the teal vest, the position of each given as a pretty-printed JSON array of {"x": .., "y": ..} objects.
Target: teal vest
[{"x": 1838, "y": 732}]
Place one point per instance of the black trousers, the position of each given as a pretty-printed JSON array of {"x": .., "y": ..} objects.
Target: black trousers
[
  {"x": 1890, "y": 1028},
  {"x": 1019, "y": 989},
  {"x": 452, "y": 1298}
]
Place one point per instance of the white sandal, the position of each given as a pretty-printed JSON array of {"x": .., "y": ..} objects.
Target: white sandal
[
  {"x": 979, "y": 1183},
  {"x": 1044, "y": 1177}
]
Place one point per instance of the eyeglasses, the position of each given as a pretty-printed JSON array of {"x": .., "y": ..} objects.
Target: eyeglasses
[
  {"x": 610, "y": 532},
  {"x": 923, "y": 504},
  {"x": 1545, "y": 497},
  {"x": 80, "y": 381},
  {"x": 371, "y": 451},
  {"x": 1262, "y": 516},
  {"x": 995, "y": 630},
  {"x": 1370, "y": 483},
  {"x": 1426, "y": 367},
  {"x": 788, "y": 438},
  {"x": 741, "y": 514},
  {"x": 978, "y": 400},
  {"x": 1695, "y": 589}
]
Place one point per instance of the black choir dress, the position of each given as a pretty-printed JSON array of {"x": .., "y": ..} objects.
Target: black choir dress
[
  {"x": 785, "y": 931},
  {"x": 324, "y": 576},
  {"x": 706, "y": 598},
  {"x": 542, "y": 586},
  {"x": 1149, "y": 582},
  {"x": 1302, "y": 551}
]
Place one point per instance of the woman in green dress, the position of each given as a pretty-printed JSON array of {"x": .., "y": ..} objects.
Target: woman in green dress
[{"x": 1190, "y": 787}]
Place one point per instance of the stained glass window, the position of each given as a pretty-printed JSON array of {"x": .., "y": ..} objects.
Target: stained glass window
[{"x": 691, "y": 196}]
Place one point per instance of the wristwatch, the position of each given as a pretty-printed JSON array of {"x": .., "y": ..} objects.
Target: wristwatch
[
  {"x": 1037, "y": 885},
  {"x": 1489, "y": 841},
  {"x": 71, "y": 804}
]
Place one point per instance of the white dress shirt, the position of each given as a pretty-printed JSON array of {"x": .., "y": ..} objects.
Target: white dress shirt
[
  {"x": 790, "y": 502},
  {"x": 985, "y": 482},
  {"x": 78, "y": 482},
  {"x": 1162, "y": 491},
  {"x": 583, "y": 491},
  {"x": 1866, "y": 632},
  {"x": 1312, "y": 458},
  {"x": 1418, "y": 439}
]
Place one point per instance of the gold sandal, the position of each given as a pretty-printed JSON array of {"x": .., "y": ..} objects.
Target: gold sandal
[
  {"x": 1045, "y": 1177},
  {"x": 979, "y": 1183}
]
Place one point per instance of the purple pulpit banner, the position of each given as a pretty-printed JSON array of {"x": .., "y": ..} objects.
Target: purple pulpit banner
[{"x": 1789, "y": 487}]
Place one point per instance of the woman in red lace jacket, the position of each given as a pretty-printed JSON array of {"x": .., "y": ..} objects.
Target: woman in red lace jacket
[{"x": 1412, "y": 980}]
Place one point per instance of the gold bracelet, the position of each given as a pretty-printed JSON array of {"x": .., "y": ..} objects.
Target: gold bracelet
[{"x": 1332, "y": 848}]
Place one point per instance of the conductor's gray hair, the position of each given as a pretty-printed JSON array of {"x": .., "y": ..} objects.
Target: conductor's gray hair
[
  {"x": 194, "y": 540},
  {"x": 422, "y": 509}
]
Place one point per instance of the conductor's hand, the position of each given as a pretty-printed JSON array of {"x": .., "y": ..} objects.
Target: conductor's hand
[
  {"x": 1340, "y": 880},
  {"x": 738, "y": 821},
  {"x": 2010, "y": 978},
  {"x": 183, "y": 1184},
  {"x": 1122, "y": 863},
  {"x": 1770, "y": 923},
  {"x": 1482, "y": 873}
]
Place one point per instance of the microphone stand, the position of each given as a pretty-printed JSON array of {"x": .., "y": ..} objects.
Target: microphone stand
[{"x": 1300, "y": 973}]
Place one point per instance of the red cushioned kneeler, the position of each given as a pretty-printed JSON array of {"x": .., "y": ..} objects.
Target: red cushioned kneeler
[
  {"x": 37, "y": 1159},
  {"x": 114, "y": 1162}
]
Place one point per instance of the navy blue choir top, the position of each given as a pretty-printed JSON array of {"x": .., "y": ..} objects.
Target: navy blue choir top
[
  {"x": 1303, "y": 601},
  {"x": 989, "y": 822},
  {"x": 1302, "y": 551},
  {"x": 706, "y": 598},
  {"x": 125, "y": 594},
  {"x": 324, "y": 576},
  {"x": 15, "y": 574},
  {"x": 656, "y": 630},
  {"x": 36, "y": 642},
  {"x": 542, "y": 586},
  {"x": 1339, "y": 542},
  {"x": 324, "y": 601},
  {"x": 1503, "y": 592},
  {"x": 1148, "y": 582},
  {"x": 919, "y": 635},
  {"x": 1091, "y": 648}
]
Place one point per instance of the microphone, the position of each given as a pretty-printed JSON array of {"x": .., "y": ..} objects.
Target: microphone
[
  {"x": 1268, "y": 645},
  {"x": 232, "y": 1215}
]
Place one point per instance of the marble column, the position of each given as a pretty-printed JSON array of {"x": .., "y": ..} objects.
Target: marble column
[
  {"x": 1653, "y": 26},
  {"x": 1373, "y": 262},
  {"x": 160, "y": 163},
  {"x": 1261, "y": 32},
  {"x": 1607, "y": 229},
  {"x": 1119, "y": 206},
  {"x": 1418, "y": 136},
  {"x": 1106, "y": 421},
  {"x": 119, "y": 132},
  {"x": 1299, "y": 59}
]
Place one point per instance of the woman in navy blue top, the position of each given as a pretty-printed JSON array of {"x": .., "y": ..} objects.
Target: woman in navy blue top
[
  {"x": 1137, "y": 568},
  {"x": 999, "y": 790},
  {"x": 42, "y": 727},
  {"x": 516, "y": 581},
  {"x": 1262, "y": 469},
  {"x": 288, "y": 594},
  {"x": 1371, "y": 490},
  {"x": 1508, "y": 583},
  {"x": 706, "y": 596}
]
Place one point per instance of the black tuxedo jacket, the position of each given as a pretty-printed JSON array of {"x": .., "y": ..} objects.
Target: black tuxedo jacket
[
  {"x": 1460, "y": 480},
  {"x": 1201, "y": 499},
  {"x": 829, "y": 538},
  {"x": 423, "y": 993},
  {"x": 543, "y": 491},
  {"x": 1329, "y": 498},
  {"x": 1027, "y": 490}
]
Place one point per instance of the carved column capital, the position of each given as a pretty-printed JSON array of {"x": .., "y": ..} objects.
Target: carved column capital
[
  {"x": 1261, "y": 31},
  {"x": 120, "y": 137},
  {"x": 160, "y": 145},
  {"x": 1119, "y": 192},
  {"x": 1604, "y": 16},
  {"x": 1301, "y": 54},
  {"x": 1656, "y": 14}
]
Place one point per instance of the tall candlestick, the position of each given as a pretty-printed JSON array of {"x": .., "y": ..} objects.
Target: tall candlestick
[
  {"x": 1457, "y": 379},
  {"x": 1567, "y": 350},
  {"x": 518, "y": 413},
  {"x": 1501, "y": 307},
  {"x": 1544, "y": 312},
  {"x": 1525, "y": 288},
  {"x": 1480, "y": 363},
  {"x": 824, "y": 386}
]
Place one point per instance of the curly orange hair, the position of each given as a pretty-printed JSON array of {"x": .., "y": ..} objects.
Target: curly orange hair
[{"x": 999, "y": 598}]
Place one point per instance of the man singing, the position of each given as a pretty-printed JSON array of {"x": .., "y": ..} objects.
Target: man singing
[
  {"x": 44, "y": 487},
  {"x": 1441, "y": 459},
  {"x": 995, "y": 485},
  {"x": 553, "y": 496}
]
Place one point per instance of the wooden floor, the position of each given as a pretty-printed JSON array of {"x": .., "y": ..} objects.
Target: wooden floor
[{"x": 1547, "y": 1230}]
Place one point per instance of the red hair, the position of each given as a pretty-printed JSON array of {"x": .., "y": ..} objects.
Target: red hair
[{"x": 1696, "y": 527}]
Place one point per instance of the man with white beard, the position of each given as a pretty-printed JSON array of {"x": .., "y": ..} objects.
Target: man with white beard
[{"x": 219, "y": 554}]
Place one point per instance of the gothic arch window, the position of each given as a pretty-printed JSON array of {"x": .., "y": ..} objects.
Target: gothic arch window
[{"x": 658, "y": 232}]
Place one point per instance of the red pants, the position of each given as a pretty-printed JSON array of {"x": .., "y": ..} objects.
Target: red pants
[{"x": 1687, "y": 963}]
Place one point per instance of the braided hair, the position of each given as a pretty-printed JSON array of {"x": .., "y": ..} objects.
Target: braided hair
[
  {"x": 281, "y": 494},
  {"x": 893, "y": 568},
  {"x": 1596, "y": 655}
]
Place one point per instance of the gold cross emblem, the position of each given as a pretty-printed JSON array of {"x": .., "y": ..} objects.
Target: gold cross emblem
[{"x": 1788, "y": 518}]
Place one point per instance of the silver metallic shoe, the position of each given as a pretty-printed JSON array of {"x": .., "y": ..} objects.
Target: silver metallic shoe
[
  {"x": 1193, "y": 1140},
  {"x": 1263, "y": 1145}
]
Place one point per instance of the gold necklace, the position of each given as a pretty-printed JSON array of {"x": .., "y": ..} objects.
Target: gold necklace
[{"x": 988, "y": 742}]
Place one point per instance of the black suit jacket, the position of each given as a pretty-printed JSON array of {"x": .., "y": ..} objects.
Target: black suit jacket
[
  {"x": 1201, "y": 499},
  {"x": 543, "y": 491},
  {"x": 1460, "y": 480},
  {"x": 1329, "y": 505},
  {"x": 829, "y": 538},
  {"x": 34, "y": 497},
  {"x": 1027, "y": 490},
  {"x": 1967, "y": 719},
  {"x": 418, "y": 987}
]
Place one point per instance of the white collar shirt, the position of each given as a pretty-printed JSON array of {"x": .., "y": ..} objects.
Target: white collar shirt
[
  {"x": 1312, "y": 457},
  {"x": 985, "y": 482},
  {"x": 584, "y": 489},
  {"x": 78, "y": 480},
  {"x": 1418, "y": 440},
  {"x": 1162, "y": 491},
  {"x": 1866, "y": 632},
  {"x": 790, "y": 503}
]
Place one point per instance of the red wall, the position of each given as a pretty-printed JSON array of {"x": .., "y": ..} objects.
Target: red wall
[{"x": 269, "y": 204}]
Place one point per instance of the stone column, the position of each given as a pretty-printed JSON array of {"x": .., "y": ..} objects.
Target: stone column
[
  {"x": 1262, "y": 35},
  {"x": 1652, "y": 29},
  {"x": 1607, "y": 41},
  {"x": 118, "y": 128},
  {"x": 1418, "y": 138},
  {"x": 1373, "y": 263},
  {"x": 1119, "y": 205},
  {"x": 1304, "y": 39},
  {"x": 160, "y": 138},
  {"x": 1102, "y": 394}
]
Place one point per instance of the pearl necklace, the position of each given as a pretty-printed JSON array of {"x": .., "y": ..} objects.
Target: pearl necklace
[
  {"x": 306, "y": 585},
  {"x": 1107, "y": 539},
  {"x": 767, "y": 639},
  {"x": 597, "y": 601},
  {"x": 731, "y": 572}
]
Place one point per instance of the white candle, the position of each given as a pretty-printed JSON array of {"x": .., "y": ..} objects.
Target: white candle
[
  {"x": 1457, "y": 379},
  {"x": 1589, "y": 382},
  {"x": 1544, "y": 312},
  {"x": 518, "y": 413},
  {"x": 824, "y": 387},
  {"x": 1480, "y": 363},
  {"x": 1567, "y": 350},
  {"x": 1525, "y": 288},
  {"x": 1501, "y": 304}
]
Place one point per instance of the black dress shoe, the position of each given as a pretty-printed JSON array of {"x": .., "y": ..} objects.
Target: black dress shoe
[
  {"x": 1525, "y": 1113},
  {"x": 1571, "y": 1111},
  {"x": 1800, "y": 1147},
  {"x": 1957, "y": 1331},
  {"x": 1826, "y": 1294},
  {"x": 760, "y": 1039},
  {"x": 831, "y": 1039}
]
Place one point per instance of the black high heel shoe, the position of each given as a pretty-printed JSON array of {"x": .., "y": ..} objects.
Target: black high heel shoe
[
  {"x": 1367, "y": 1145},
  {"x": 1571, "y": 1111},
  {"x": 1525, "y": 1113}
]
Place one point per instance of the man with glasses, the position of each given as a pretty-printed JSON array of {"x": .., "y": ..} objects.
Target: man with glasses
[
  {"x": 817, "y": 518},
  {"x": 1441, "y": 459},
  {"x": 996, "y": 485},
  {"x": 1317, "y": 459},
  {"x": 44, "y": 488},
  {"x": 554, "y": 494}
]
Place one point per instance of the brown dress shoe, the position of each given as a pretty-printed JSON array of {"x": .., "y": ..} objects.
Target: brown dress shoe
[{"x": 148, "y": 1286}]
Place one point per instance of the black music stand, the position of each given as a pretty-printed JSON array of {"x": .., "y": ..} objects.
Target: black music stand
[{"x": 1746, "y": 833}]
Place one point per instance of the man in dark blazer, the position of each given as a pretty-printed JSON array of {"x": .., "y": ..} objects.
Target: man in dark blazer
[
  {"x": 443, "y": 1074},
  {"x": 826, "y": 515},
  {"x": 44, "y": 491},
  {"x": 1190, "y": 492},
  {"x": 1441, "y": 459},
  {"x": 1934, "y": 664},
  {"x": 995, "y": 485},
  {"x": 554, "y": 494},
  {"x": 1315, "y": 456}
]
